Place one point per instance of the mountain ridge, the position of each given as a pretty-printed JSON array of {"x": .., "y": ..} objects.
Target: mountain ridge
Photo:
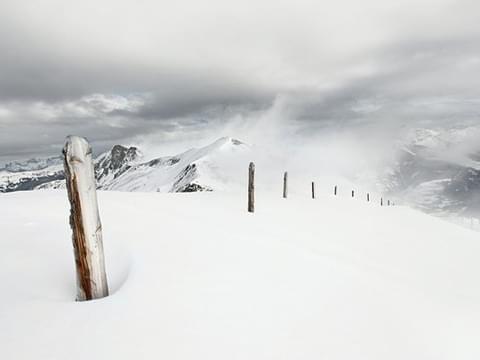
[{"x": 121, "y": 168}]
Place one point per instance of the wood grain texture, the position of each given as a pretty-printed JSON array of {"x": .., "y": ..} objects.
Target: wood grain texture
[
  {"x": 251, "y": 187},
  {"x": 85, "y": 220}
]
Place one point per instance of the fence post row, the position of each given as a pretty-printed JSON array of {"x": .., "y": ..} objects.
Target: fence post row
[
  {"x": 84, "y": 220},
  {"x": 251, "y": 187}
]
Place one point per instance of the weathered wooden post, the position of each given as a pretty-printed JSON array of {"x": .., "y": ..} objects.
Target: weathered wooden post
[
  {"x": 381, "y": 201},
  {"x": 251, "y": 187},
  {"x": 85, "y": 220},
  {"x": 285, "y": 180},
  {"x": 368, "y": 197},
  {"x": 353, "y": 193},
  {"x": 313, "y": 190},
  {"x": 388, "y": 202},
  {"x": 335, "y": 190}
]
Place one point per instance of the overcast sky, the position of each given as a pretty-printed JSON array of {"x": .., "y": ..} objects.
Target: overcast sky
[{"x": 160, "y": 71}]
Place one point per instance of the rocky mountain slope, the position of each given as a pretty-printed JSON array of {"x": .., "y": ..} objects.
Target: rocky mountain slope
[{"x": 122, "y": 169}]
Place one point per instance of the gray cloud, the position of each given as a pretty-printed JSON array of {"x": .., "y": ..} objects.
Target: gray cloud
[{"x": 120, "y": 72}]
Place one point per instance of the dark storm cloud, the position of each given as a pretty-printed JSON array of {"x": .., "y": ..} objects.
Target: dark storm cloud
[
  {"x": 117, "y": 71},
  {"x": 420, "y": 81}
]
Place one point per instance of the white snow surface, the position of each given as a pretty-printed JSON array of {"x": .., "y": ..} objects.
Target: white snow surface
[{"x": 194, "y": 276}]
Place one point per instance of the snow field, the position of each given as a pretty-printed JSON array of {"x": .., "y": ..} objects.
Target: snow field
[{"x": 194, "y": 276}]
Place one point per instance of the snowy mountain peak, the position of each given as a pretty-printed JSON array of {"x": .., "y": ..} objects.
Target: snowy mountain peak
[
  {"x": 110, "y": 165},
  {"x": 119, "y": 155},
  {"x": 206, "y": 168},
  {"x": 223, "y": 144},
  {"x": 199, "y": 169},
  {"x": 226, "y": 140}
]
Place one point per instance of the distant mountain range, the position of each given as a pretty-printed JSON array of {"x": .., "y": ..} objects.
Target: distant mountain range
[
  {"x": 424, "y": 172},
  {"x": 432, "y": 171},
  {"x": 122, "y": 169}
]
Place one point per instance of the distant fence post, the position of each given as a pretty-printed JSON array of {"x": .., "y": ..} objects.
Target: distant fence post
[
  {"x": 85, "y": 220},
  {"x": 313, "y": 190},
  {"x": 285, "y": 184},
  {"x": 251, "y": 187},
  {"x": 381, "y": 201},
  {"x": 368, "y": 197},
  {"x": 353, "y": 193},
  {"x": 335, "y": 190},
  {"x": 388, "y": 202}
]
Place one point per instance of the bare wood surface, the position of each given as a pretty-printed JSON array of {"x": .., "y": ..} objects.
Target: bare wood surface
[
  {"x": 85, "y": 220},
  {"x": 251, "y": 187}
]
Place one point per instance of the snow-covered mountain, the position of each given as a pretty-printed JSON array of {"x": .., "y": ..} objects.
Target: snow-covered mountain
[
  {"x": 437, "y": 171},
  {"x": 29, "y": 175},
  {"x": 434, "y": 170},
  {"x": 198, "y": 169},
  {"x": 203, "y": 169},
  {"x": 32, "y": 164}
]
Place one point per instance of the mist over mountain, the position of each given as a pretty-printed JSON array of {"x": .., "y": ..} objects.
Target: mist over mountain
[{"x": 437, "y": 171}]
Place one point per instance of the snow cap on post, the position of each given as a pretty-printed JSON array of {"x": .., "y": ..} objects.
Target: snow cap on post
[{"x": 85, "y": 219}]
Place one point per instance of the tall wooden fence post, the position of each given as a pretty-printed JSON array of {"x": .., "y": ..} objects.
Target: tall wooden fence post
[
  {"x": 335, "y": 190},
  {"x": 285, "y": 184},
  {"x": 381, "y": 201},
  {"x": 353, "y": 193},
  {"x": 251, "y": 187},
  {"x": 313, "y": 190},
  {"x": 85, "y": 220},
  {"x": 368, "y": 197}
]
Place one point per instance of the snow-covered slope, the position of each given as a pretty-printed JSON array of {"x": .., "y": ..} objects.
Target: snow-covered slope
[
  {"x": 201, "y": 169},
  {"x": 30, "y": 179},
  {"x": 207, "y": 168},
  {"x": 437, "y": 171},
  {"x": 194, "y": 276}
]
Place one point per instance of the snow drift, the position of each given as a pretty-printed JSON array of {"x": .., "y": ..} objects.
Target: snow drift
[{"x": 194, "y": 276}]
